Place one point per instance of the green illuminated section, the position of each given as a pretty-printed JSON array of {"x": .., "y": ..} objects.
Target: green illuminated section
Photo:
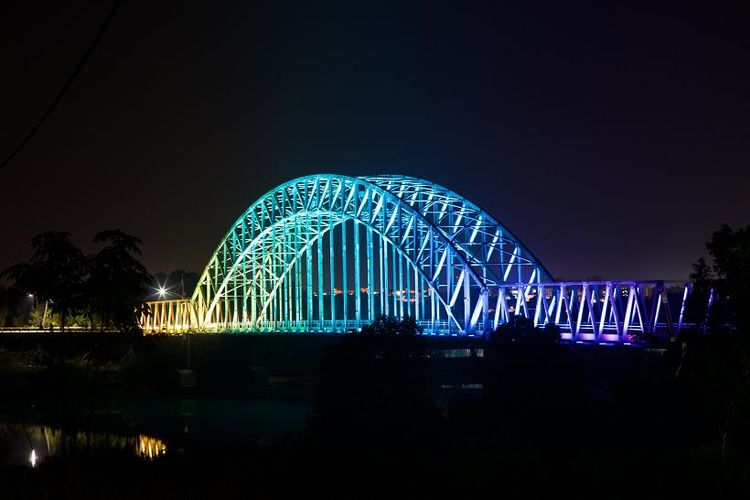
[{"x": 327, "y": 253}]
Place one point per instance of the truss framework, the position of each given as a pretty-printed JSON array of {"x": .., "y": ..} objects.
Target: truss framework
[
  {"x": 327, "y": 253},
  {"x": 601, "y": 311}
]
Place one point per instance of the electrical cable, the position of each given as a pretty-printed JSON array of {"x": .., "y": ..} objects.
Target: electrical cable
[{"x": 66, "y": 85}]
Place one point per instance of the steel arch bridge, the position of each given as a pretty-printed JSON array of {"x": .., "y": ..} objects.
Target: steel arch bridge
[{"x": 327, "y": 253}]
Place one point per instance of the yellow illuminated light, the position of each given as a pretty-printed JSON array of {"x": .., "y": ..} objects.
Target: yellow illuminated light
[{"x": 150, "y": 447}]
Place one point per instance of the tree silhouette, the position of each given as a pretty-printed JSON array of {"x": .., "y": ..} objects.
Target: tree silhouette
[
  {"x": 110, "y": 284},
  {"x": 55, "y": 273},
  {"x": 729, "y": 274},
  {"x": 389, "y": 326},
  {"x": 521, "y": 330},
  {"x": 716, "y": 370},
  {"x": 697, "y": 304},
  {"x": 117, "y": 283},
  {"x": 8, "y": 305}
]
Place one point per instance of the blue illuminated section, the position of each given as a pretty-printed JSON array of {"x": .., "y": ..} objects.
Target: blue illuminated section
[{"x": 328, "y": 253}]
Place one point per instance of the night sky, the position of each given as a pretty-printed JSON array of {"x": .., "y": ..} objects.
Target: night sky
[{"x": 612, "y": 139}]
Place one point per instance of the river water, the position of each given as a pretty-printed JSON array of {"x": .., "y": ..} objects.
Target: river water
[{"x": 148, "y": 429}]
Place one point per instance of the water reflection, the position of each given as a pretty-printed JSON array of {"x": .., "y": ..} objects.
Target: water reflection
[
  {"x": 32, "y": 444},
  {"x": 150, "y": 447}
]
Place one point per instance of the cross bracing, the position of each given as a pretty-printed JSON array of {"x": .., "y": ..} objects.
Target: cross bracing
[
  {"x": 585, "y": 311},
  {"x": 327, "y": 253}
]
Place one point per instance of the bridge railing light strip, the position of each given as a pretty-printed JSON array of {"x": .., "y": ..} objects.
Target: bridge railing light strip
[{"x": 609, "y": 311}]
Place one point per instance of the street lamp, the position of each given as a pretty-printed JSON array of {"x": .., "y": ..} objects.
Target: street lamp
[{"x": 162, "y": 292}]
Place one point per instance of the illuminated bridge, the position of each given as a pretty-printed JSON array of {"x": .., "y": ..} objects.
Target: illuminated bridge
[{"x": 327, "y": 253}]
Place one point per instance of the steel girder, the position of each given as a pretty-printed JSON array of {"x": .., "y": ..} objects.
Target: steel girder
[
  {"x": 599, "y": 311},
  {"x": 329, "y": 252},
  {"x": 584, "y": 311}
]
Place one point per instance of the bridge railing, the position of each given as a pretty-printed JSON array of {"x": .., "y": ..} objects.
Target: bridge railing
[
  {"x": 599, "y": 311},
  {"x": 170, "y": 316},
  {"x": 585, "y": 311},
  {"x": 37, "y": 329}
]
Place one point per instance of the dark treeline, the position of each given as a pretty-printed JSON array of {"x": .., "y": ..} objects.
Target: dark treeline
[
  {"x": 670, "y": 419},
  {"x": 105, "y": 290},
  {"x": 725, "y": 283}
]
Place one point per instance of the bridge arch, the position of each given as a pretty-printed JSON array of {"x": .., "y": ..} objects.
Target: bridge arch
[{"x": 329, "y": 252}]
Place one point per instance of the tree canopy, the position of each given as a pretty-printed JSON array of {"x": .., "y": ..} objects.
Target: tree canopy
[
  {"x": 728, "y": 275},
  {"x": 109, "y": 285},
  {"x": 117, "y": 280},
  {"x": 54, "y": 274}
]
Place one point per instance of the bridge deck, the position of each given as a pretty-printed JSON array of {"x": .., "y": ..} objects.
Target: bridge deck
[{"x": 598, "y": 311}]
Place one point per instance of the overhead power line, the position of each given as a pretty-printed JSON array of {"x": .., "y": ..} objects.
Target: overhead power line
[{"x": 66, "y": 85}]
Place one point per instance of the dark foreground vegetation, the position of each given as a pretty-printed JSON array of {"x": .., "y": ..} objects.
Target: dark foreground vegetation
[
  {"x": 101, "y": 291},
  {"x": 394, "y": 413}
]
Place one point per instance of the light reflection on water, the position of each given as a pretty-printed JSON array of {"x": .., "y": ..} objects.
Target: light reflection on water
[
  {"x": 148, "y": 428},
  {"x": 150, "y": 447},
  {"x": 31, "y": 445}
]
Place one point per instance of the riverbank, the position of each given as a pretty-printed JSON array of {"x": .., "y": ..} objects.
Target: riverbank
[{"x": 426, "y": 416}]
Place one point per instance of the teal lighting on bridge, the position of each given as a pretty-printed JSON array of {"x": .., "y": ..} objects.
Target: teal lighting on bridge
[{"x": 327, "y": 253}]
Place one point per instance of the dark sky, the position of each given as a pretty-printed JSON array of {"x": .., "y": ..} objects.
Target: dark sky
[{"x": 612, "y": 138}]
